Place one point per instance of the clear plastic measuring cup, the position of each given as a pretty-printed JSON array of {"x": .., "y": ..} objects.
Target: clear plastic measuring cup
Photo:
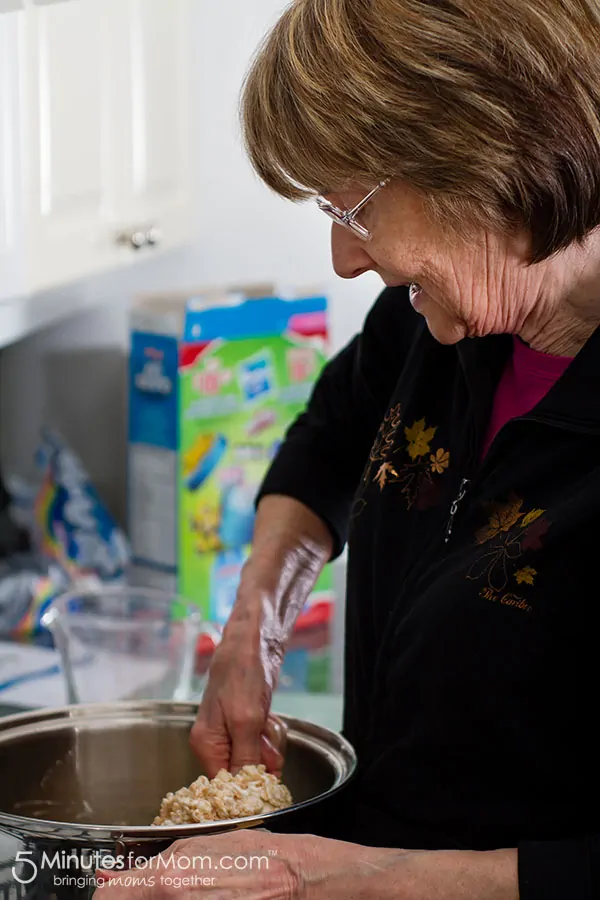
[{"x": 123, "y": 643}]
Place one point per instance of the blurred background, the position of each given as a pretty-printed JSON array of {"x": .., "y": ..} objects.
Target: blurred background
[{"x": 122, "y": 173}]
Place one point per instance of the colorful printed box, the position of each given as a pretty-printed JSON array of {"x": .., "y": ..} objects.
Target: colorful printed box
[{"x": 215, "y": 381}]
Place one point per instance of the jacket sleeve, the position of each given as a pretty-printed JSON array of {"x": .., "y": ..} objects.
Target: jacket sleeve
[
  {"x": 557, "y": 870},
  {"x": 324, "y": 453}
]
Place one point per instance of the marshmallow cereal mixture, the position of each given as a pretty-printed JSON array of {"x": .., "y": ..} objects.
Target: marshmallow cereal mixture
[{"x": 253, "y": 791}]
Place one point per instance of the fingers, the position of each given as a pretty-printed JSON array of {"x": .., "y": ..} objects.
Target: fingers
[
  {"x": 246, "y": 741},
  {"x": 276, "y": 731},
  {"x": 274, "y": 742},
  {"x": 212, "y": 746},
  {"x": 271, "y": 757}
]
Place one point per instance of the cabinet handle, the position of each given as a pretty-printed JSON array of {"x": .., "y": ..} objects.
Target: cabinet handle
[
  {"x": 133, "y": 239},
  {"x": 153, "y": 236}
]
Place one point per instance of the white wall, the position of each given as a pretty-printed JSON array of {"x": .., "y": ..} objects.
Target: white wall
[{"x": 73, "y": 373}]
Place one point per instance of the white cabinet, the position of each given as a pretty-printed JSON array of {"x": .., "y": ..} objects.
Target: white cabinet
[
  {"x": 10, "y": 195},
  {"x": 94, "y": 137},
  {"x": 68, "y": 140},
  {"x": 154, "y": 106}
]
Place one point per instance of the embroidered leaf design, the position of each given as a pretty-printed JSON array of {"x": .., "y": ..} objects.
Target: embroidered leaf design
[
  {"x": 385, "y": 469},
  {"x": 419, "y": 438},
  {"x": 439, "y": 461},
  {"x": 494, "y": 565},
  {"x": 387, "y": 432},
  {"x": 395, "y": 416},
  {"x": 498, "y": 574},
  {"x": 532, "y": 516},
  {"x": 484, "y": 564},
  {"x": 504, "y": 516},
  {"x": 526, "y": 575},
  {"x": 534, "y": 537}
]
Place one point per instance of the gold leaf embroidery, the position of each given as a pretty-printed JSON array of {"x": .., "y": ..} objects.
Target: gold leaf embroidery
[
  {"x": 413, "y": 470},
  {"x": 526, "y": 575},
  {"x": 419, "y": 437},
  {"x": 439, "y": 461},
  {"x": 502, "y": 519},
  {"x": 385, "y": 469},
  {"x": 532, "y": 516},
  {"x": 385, "y": 439}
]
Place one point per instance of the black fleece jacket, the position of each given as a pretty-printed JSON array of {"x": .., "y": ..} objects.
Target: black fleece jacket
[{"x": 473, "y": 603}]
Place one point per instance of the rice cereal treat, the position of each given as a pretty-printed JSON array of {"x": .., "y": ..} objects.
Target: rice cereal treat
[{"x": 252, "y": 792}]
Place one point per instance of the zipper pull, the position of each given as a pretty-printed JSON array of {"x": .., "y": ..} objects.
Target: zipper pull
[{"x": 462, "y": 491}]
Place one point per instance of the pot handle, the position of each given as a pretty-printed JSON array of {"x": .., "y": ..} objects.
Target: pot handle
[{"x": 129, "y": 851}]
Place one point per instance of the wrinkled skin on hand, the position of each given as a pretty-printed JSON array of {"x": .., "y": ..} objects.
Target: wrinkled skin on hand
[
  {"x": 257, "y": 865},
  {"x": 234, "y": 727}
]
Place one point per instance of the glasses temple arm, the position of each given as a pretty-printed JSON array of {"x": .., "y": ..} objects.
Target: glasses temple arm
[{"x": 353, "y": 212}]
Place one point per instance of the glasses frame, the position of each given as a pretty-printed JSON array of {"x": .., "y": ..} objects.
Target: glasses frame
[{"x": 347, "y": 217}]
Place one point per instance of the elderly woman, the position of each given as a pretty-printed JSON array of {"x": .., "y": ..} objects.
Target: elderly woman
[{"x": 455, "y": 444}]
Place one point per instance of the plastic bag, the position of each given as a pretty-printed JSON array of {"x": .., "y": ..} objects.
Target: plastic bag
[
  {"x": 70, "y": 524},
  {"x": 74, "y": 539}
]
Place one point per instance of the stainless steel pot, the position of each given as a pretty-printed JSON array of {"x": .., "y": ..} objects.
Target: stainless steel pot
[{"x": 89, "y": 779}]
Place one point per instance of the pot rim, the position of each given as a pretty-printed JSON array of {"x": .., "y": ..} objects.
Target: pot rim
[{"x": 334, "y": 746}]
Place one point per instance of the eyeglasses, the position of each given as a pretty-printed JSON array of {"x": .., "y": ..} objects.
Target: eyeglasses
[{"x": 347, "y": 217}]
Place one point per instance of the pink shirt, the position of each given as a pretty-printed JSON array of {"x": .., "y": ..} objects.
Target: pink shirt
[{"x": 526, "y": 380}]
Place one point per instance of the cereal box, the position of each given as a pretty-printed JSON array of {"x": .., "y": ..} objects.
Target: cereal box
[{"x": 216, "y": 379}]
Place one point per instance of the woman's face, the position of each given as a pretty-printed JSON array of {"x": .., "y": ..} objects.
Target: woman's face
[{"x": 469, "y": 288}]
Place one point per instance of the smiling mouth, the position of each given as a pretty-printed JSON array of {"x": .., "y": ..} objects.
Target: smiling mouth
[
  {"x": 414, "y": 292},
  {"x": 404, "y": 283}
]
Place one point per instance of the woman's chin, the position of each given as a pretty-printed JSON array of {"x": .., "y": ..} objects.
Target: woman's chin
[{"x": 444, "y": 330}]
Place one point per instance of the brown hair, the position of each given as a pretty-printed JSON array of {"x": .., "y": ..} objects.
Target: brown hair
[{"x": 490, "y": 108}]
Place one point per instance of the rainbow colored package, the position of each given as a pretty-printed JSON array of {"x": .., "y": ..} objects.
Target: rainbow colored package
[
  {"x": 28, "y": 584},
  {"x": 71, "y": 525}
]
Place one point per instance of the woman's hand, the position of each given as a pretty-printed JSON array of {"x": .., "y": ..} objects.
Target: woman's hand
[
  {"x": 291, "y": 545},
  {"x": 252, "y": 864},
  {"x": 233, "y": 726},
  {"x": 262, "y": 866}
]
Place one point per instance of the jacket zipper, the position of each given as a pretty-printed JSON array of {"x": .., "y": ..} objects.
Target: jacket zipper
[
  {"x": 462, "y": 492},
  {"x": 466, "y": 482}
]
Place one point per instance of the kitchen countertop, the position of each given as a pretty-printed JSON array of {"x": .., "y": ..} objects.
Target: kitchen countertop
[
  {"x": 322, "y": 709},
  {"x": 7, "y": 709},
  {"x": 32, "y": 678}
]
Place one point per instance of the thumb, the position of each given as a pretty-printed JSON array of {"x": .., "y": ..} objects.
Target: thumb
[
  {"x": 271, "y": 757},
  {"x": 277, "y": 732},
  {"x": 273, "y": 744}
]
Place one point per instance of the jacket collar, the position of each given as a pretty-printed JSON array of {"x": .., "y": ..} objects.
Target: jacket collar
[{"x": 572, "y": 403}]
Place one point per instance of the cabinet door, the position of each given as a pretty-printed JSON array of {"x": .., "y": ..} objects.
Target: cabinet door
[
  {"x": 70, "y": 176},
  {"x": 155, "y": 111},
  {"x": 10, "y": 220}
]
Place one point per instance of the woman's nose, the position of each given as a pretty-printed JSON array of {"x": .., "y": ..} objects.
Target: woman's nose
[{"x": 348, "y": 253}]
